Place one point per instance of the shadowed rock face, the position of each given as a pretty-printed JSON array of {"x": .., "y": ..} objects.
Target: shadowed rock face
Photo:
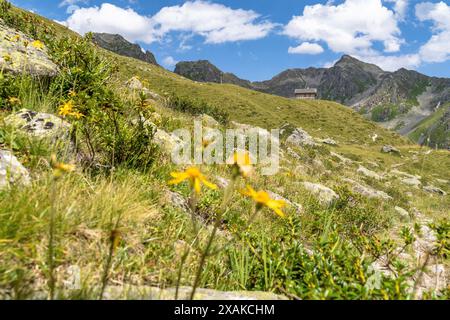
[
  {"x": 117, "y": 44},
  {"x": 205, "y": 71}
]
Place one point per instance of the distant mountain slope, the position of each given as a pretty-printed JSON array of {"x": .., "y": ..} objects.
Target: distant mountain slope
[
  {"x": 398, "y": 100},
  {"x": 434, "y": 131},
  {"x": 117, "y": 44},
  {"x": 205, "y": 71}
]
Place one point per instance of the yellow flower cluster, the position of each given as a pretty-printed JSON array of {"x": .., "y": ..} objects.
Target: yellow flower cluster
[
  {"x": 14, "y": 101},
  {"x": 195, "y": 177},
  {"x": 37, "y": 44},
  {"x": 7, "y": 58},
  {"x": 59, "y": 168},
  {"x": 242, "y": 165},
  {"x": 262, "y": 198},
  {"x": 68, "y": 109}
]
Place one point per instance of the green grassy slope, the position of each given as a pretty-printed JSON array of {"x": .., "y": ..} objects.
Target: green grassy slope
[{"x": 328, "y": 119}]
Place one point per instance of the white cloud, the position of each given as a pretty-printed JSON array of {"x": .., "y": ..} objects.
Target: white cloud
[
  {"x": 392, "y": 63},
  {"x": 306, "y": 48},
  {"x": 352, "y": 26},
  {"x": 112, "y": 19},
  {"x": 437, "y": 49},
  {"x": 400, "y": 8},
  {"x": 215, "y": 22},
  {"x": 169, "y": 62}
]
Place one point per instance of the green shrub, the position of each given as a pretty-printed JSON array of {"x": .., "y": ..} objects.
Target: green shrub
[{"x": 196, "y": 107}]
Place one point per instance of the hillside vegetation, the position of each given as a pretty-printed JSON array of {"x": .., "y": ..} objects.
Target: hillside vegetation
[
  {"x": 397, "y": 100},
  {"x": 92, "y": 207}
]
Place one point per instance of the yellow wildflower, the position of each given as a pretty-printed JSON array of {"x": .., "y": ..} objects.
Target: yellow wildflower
[
  {"x": 115, "y": 237},
  {"x": 59, "y": 167},
  {"x": 195, "y": 177},
  {"x": 242, "y": 163},
  {"x": 14, "y": 100},
  {"x": 16, "y": 38},
  {"x": 262, "y": 198},
  {"x": 7, "y": 58},
  {"x": 38, "y": 44},
  {"x": 66, "y": 108},
  {"x": 72, "y": 93}
]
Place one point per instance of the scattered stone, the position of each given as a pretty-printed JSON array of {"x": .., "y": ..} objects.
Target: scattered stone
[
  {"x": 241, "y": 126},
  {"x": 11, "y": 170},
  {"x": 38, "y": 124},
  {"x": 373, "y": 164},
  {"x": 293, "y": 154},
  {"x": 390, "y": 149},
  {"x": 411, "y": 182},
  {"x": 433, "y": 189},
  {"x": 135, "y": 84},
  {"x": 341, "y": 158},
  {"x": 222, "y": 182},
  {"x": 369, "y": 173},
  {"x": 209, "y": 121},
  {"x": 397, "y": 165},
  {"x": 19, "y": 54},
  {"x": 318, "y": 165},
  {"x": 443, "y": 181},
  {"x": 398, "y": 173},
  {"x": 178, "y": 201},
  {"x": 166, "y": 141},
  {"x": 432, "y": 280},
  {"x": 325, "y": 194},
  {"x": 404, "y": 215},
  {"x": 406, "y": 178},
  {"x": 329, "y": 141},
  {"x": 300, "y": 137},
  {"x": 367, "y": 191}
]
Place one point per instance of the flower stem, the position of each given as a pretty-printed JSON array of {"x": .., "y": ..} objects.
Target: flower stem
[{"x": 205, "y": 254}]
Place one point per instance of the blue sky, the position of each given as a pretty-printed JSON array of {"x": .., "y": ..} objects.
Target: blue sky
[{"x": 256, "y": 39}]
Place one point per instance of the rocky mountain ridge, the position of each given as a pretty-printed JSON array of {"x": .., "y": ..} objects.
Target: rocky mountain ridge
[
  {"x": 118, "y": 44},
  {"x": 398, "y": 100}
]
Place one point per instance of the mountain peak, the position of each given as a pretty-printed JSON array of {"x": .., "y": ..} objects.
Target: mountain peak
[
  {"x": 118, "y": 44},
  {"x": 347, "y": 58},
  {"x": 349, "y": 61}
]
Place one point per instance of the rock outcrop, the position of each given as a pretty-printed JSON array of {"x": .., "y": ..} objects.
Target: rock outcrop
[
  {"x": 38, "y": 124},
  {"x": 12, "y": 172},
  {"x": 300, "y": 137},
  {"x": 21, "y": 54},
  {"x": 118, "y": 44},
  {"x": 324, "y": 194},
  {"x": 366, "y": 190}
]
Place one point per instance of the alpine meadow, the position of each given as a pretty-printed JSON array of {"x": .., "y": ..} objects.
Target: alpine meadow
[{"x": 93, "y": 205}]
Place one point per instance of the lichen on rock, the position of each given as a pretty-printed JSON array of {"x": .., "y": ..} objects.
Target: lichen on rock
[
  {"x": 21, "y": 54},
  {"x": 38, "y": 124}
]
